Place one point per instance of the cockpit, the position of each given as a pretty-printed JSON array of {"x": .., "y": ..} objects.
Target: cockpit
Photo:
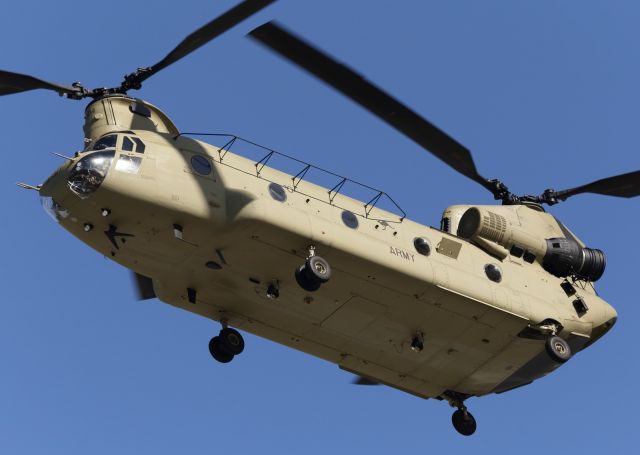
[
  {"x": 90, "y": 171},
  {"x": 113, "y": 152}
]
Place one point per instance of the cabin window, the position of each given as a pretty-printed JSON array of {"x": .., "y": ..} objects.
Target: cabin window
[
  {"x": 494, "y": 273},
  {"x": 422, "y": 246},
  {"x": 201, "y": 165},
  {"x": 277, "y": 192},
  {"x": 349, "y": 219}
]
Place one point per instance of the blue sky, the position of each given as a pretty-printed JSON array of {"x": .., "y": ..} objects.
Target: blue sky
[{"x": 544, "y": 93}]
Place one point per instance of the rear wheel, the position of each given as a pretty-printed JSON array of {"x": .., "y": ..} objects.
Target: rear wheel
[
  {"x": 217, "y": 353},
  {"x": 558, "y": 349},
  {"x": 231, "y": 341}
]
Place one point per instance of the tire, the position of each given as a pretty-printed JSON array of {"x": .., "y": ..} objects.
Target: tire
[
  {"x": 305, "y": 281},
  {"x": 216, "y": 353},
  {"x": 231, "y": 341},
  {"x": 318, "y": 268},
  {"x": 558, "y": 349},
  {"x": 464, "y": 423}
]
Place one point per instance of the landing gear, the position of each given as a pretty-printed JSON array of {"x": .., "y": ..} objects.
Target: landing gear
[
  {"x": 558, "y": 349},
  {"x": 464, "y": 422},
  {"x": 228, "y": 344},
  {"x": 305, "y": 281},
  {"x": 313, "y": 273}
]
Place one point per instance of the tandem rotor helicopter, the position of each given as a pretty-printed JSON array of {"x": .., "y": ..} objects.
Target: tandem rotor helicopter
[{"x": 499, "y": 296}]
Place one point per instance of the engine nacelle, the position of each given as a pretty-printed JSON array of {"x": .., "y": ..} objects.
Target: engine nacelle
[
  {"x": 566, "y": 257},
  {"x": 528, "y": 232}
]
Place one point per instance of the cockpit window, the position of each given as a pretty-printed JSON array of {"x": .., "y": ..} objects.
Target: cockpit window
[
  {"x": 105, "y": 142},
  {"x": 88, "y": 173},
  {"x": 139, "y": 145},
  {"x": 127, "y": 144},
  {"x": 128, "y": 164}
]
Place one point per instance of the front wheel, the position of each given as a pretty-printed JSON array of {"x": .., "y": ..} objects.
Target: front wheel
[
  {"x": 464, "y": 422},
  {"x": 318, "y": 269},
  {"x": 558, "y": 349}
]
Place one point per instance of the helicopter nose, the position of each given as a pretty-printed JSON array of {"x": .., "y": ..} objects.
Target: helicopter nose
[
  {"x": 56, "y": 183},
  {"x": 55, "y": 195}
]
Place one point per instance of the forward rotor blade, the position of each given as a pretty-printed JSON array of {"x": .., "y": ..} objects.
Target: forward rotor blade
[
  {"x": 16, "y": 83},
  {"x": 624, "y": 185},
  {"x": 363, "y": 92},
  {"x": 208, "y": 32},
  {"x": 144, "y": 287}
]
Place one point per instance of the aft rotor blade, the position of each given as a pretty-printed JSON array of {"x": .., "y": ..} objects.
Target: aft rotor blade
[
  {"x": 144, "y": 287},
  {"x": 363, "y": 92},
  {"x": 208, "y": 32},
  {"x": 16, "y": 83},
  {"x": 624, "y": 185}
]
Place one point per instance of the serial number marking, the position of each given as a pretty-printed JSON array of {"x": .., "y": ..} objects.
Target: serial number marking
[{"x": 402, "y": 254}]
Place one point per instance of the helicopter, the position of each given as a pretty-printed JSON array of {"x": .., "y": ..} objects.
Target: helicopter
[{"x": 107, "y": 206}]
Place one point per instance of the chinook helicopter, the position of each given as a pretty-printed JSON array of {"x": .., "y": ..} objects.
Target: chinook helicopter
[{"x": 496, "y": 298}]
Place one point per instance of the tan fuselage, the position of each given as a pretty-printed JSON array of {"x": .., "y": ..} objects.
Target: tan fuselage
[{"x": 237, "y": 239}]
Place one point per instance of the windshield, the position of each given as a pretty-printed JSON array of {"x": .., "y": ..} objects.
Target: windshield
[
  {"x": 105, "y": 142},
  {"x": 89, "y": 172}
]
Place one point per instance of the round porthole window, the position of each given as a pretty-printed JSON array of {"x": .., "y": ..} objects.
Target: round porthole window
[
  {"x": 349, "y": 219},
  {"x": 422, "y": 246},
  {"x": 201, "y": 165},
  {"x": 277, "y": 192},
  {"x": 493, "y": 272}
]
